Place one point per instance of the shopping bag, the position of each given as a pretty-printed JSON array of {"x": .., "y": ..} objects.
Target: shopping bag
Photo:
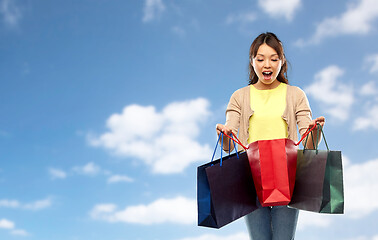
[
  {"x": 273, "y": 165},
  {"x": 225, "y": 190},
  {"x": 319, "y": 180}
]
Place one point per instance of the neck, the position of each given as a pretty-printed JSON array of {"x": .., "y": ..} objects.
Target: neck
[{"x": 262, "y": 86}]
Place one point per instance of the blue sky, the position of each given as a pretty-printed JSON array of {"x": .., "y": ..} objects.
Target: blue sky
[{"x": 108, "y": 107}]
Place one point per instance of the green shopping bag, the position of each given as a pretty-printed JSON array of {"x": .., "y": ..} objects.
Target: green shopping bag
[{"x": 319, "y": 180}]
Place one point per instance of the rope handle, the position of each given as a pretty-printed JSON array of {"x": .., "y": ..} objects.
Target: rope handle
[
  {"x": 305, "y": 134},
  {"x": 235, "y": 139},
  {"x": 229, "y": 146},
  {"x": 319, "y": 131}
]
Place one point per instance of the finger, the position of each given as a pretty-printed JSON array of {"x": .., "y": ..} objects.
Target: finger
[
  {"x": 320, "y": 119},
  {"x": 226, "y": 130}
]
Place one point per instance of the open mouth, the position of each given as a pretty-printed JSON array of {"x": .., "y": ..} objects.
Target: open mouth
[{"x": 267, "y": 75}]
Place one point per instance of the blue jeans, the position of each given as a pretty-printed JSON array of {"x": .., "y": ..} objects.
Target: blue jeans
[{"x": 272, "y": 223}]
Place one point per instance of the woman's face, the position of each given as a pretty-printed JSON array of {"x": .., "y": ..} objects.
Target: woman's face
[{"x": 267, "y": 65}]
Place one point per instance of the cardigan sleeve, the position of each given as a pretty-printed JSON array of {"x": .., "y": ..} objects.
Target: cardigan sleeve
[
  {"x": 233, "y": 115},
  {"x": 302, "y": 111}
]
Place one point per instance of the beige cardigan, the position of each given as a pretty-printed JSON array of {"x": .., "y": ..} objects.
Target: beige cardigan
[{"x": 296, "y": 113}]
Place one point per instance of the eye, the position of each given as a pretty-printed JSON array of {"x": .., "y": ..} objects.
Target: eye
[
  {"x": 275, "y": 60},
  {"x": 259, "y": 60}
]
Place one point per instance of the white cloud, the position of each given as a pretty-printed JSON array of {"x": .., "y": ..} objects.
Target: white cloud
[
  {"x": 364, "y": 238},
  {"x": 99, "y": 210},
  {"x": 369, "y": 89},
  {"x": 361, "y": 183},
  {"x": 35, "y": 206},
  {"x": 336, "y": 96},
  {"x": 369, "y": 98},
  {"x": 7, "y": 224},
  {"x": 358, "y": 19},
  {"x": 280, "y": 8},
  {"x": 165, "y": 140},
  {"x": 236, "y": 236},
  {"x": 4, "y": 223},
  {"x": 310, "y": 219},
  {"x": 346, "y": 161},
  {"x": 119, "y": 178},
  {"x": 20, "y": 232},
  {"x": 152, "y": 10},
  {"x": 243, "y": 18},
  {"x": 9, "y": 203},
  {"x": 177, "y": 210},
  {"x": 373, "y": 61},
  {"x": 11, "y": 14},
  {"x": 89, "y": 169},
  {"x": 180, "y": 31},
  {"x": 38, "y": 205},
  {"x": 369, "y": 121},
  {"x": 57, "y": 173}
]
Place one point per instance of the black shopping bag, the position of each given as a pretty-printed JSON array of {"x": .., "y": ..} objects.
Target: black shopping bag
[
  {"x": 319, "y": 181},
  {"x": 225, "y": 190}
]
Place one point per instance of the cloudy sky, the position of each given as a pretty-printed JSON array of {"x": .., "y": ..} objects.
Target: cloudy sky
[{"x": 108, "y": 107}]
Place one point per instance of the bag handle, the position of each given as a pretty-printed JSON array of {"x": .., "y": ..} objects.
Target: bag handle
[
  {"x": 235, "y": 139},
  {"x": 305, "y": 134},
  {"x": 229, "y": 147},
  {"x": 212, "y": 158},
  {"x": 319, "y": 130}
]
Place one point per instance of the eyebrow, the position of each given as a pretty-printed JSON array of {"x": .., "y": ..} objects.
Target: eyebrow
[{"x": 259, "y": 54}]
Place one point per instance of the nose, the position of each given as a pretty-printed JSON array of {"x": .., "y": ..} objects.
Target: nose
[{"x": 267, "y": 63}]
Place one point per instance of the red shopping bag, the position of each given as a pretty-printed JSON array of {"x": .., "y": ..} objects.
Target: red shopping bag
[{"x": 273, "y": 165}]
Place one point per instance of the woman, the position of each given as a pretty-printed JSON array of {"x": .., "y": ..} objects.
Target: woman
[{"x": 268, "y": 108}]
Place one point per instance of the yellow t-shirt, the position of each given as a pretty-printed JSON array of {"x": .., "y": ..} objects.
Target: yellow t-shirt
[{"x": 266, "y": 122}]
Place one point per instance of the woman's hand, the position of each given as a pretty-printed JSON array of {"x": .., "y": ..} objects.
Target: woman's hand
[
  {"x": 222, "y": 128},
  {"x": 310, "y": 143},
  {"x": 320, "y": 120}
]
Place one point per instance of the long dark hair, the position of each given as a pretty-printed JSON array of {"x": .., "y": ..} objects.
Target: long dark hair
[{"x": 272, "y": 41}]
